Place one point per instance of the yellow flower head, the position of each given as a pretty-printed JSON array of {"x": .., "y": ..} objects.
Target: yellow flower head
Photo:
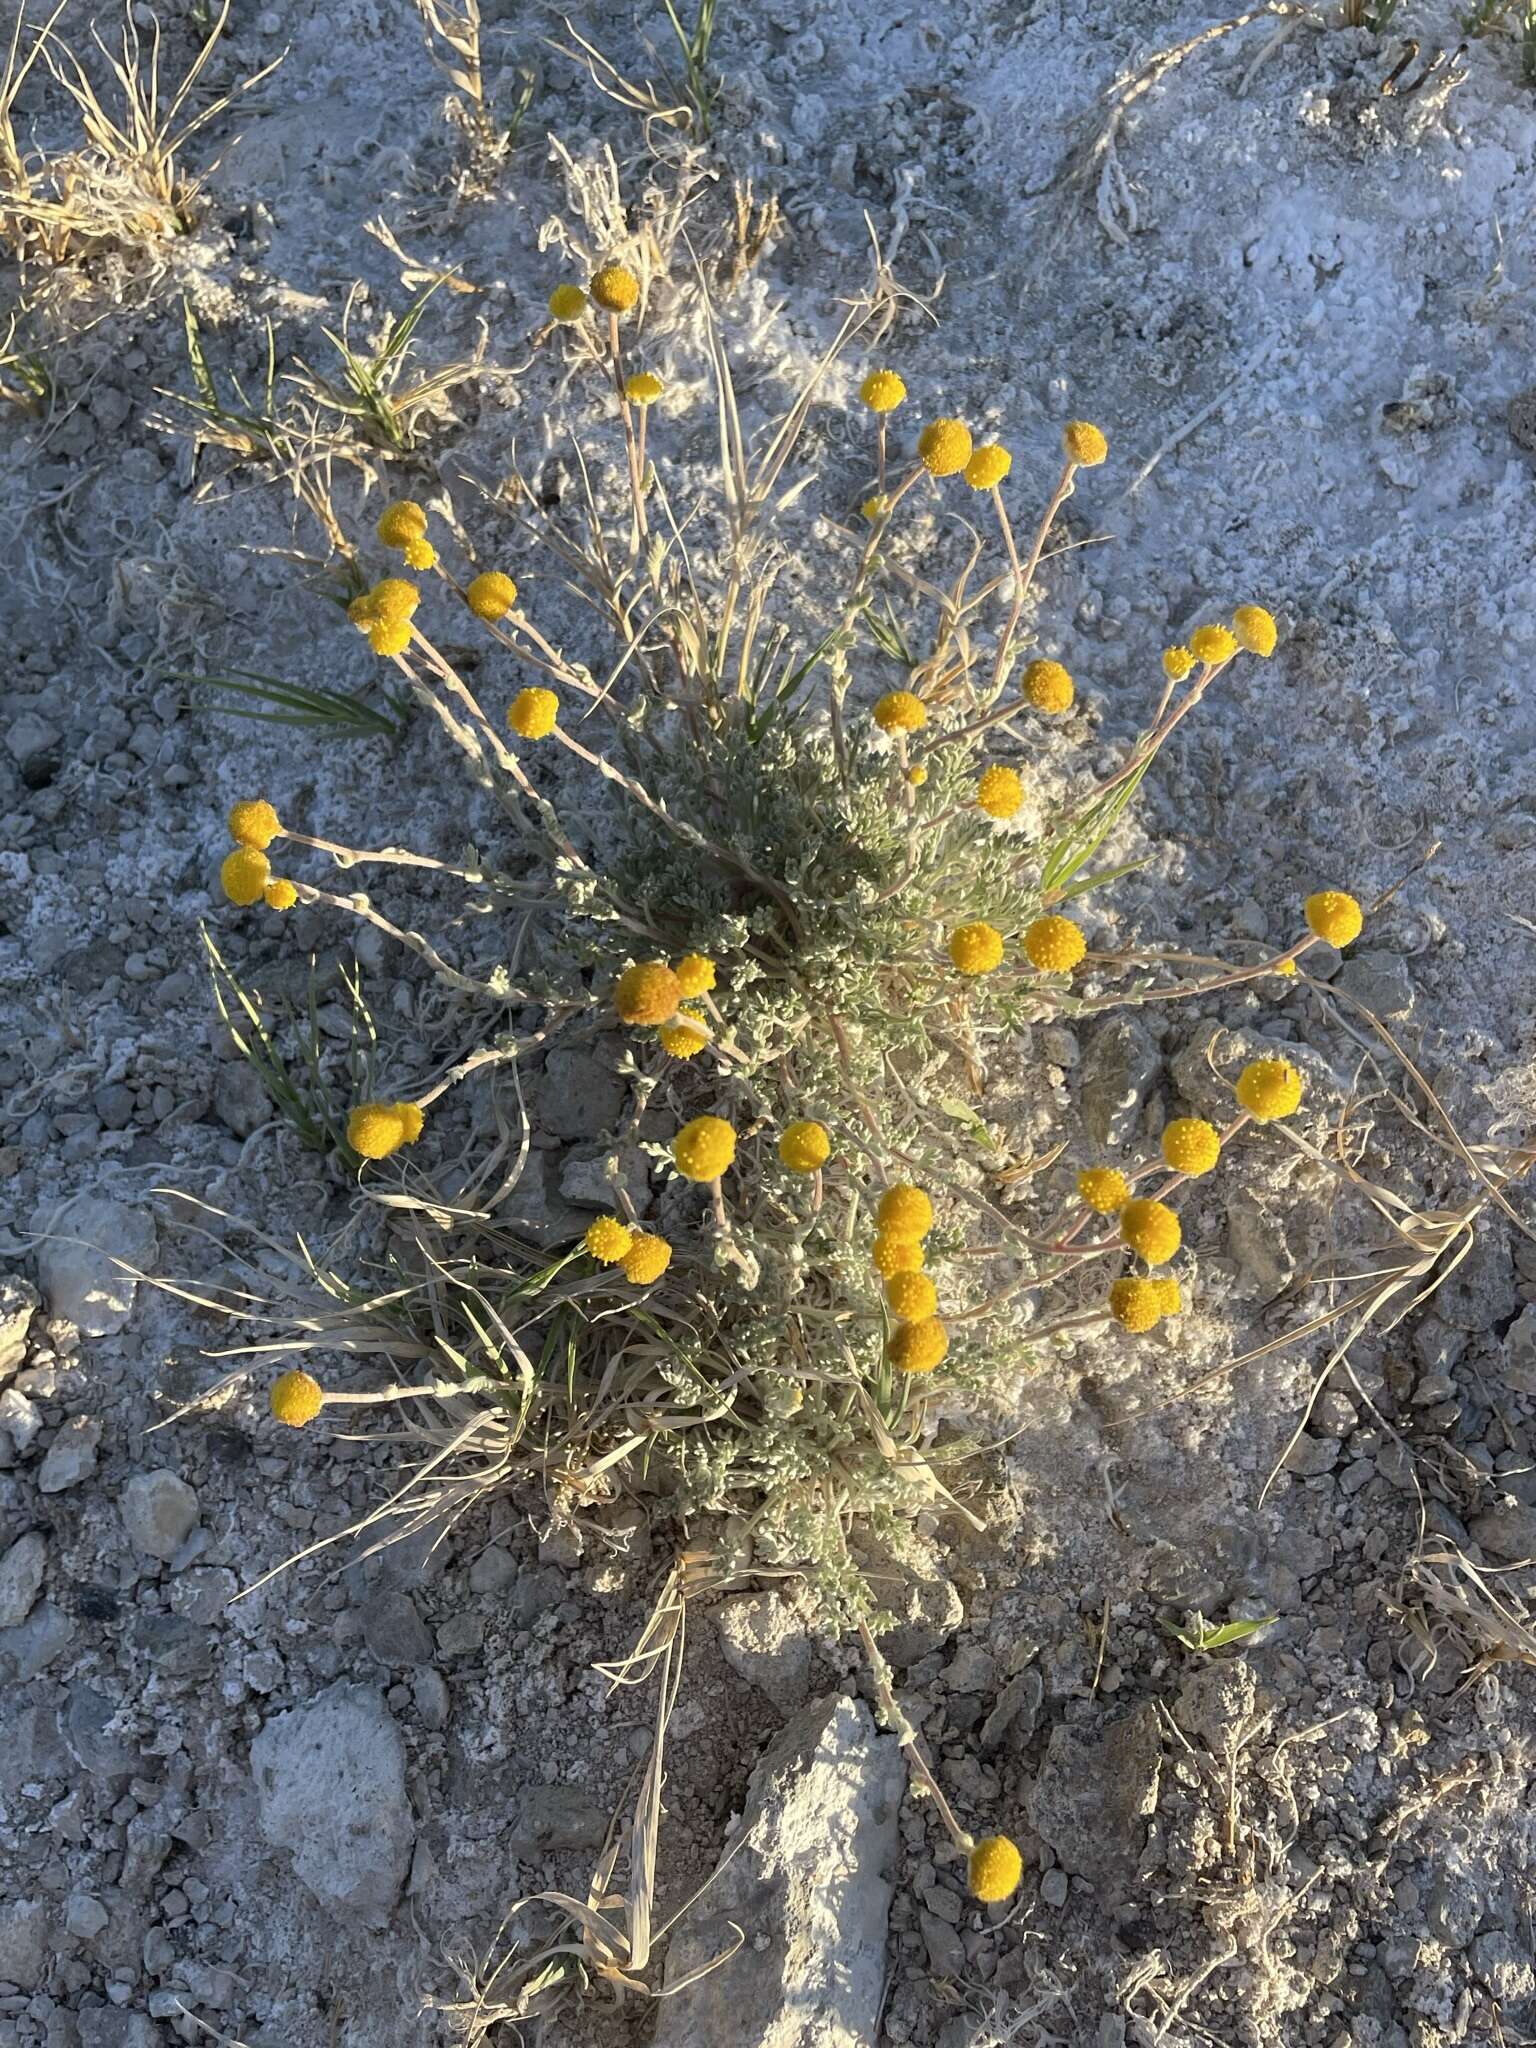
[
  {"x": 805, "y": 1147},
  {"x": 1191, "y": 1145},
  {"x": 1054, "y": 944},
  {"x": 1150, "y": 1229},
  {"x": 917, "y": 776},
  {"x": 904, "y": 1211},
  {"x": 420, "y": 554},
  {"x": 1103, "y": 1189},
  {"x": 1333, "y": 916},
  {"x": 1084, "y": 443},
  {"x": 280, "y": 894},
  {"x": 995, "y": 1869},
  {"x": 643, "y": 388},
  {"x": 1049, "y": 687},
  {"x": 363, "y": 612},
  {"x": 695, "y": 974},
  {"x": 892, "y": 1254},
  {"x": 375, "y": 1129},
  {"x": 389, "y": 636},
  {"x": 1286, "y": 967},
  {"x": 882, "y": 391},
  {"x": 1213, "y": 643},
  {"x": 253, "y": 823},
  {"x": 648, "y": 993},
  {"x": 944, "y": 447},
  {"x": 609, "y": 1241},
  {"x": 614, "y": 288},
  {"x": 413, "y": 1121},
  {"x": 682, "y": 1039},
  {"x": 647, "y": 1259},
  {"x": 901, "y": 711},
  {"x": 394, "y": 598},
  {"x": 1269, "y": 1087},
  {"x": 976, "y": 948},
  {"x": 244, "y": 875},
  {"x": 1136, "y": 1304},
  {"x": 567, "y": 303},
  {"x": 1255, "y": 629},
  {"x": 491, "y": 595},
  {"x": 1170, "y": 1301},
  {"x": 988, "y": 465},
  {"x": 912, "y": 1296},
  {"x": 533, "y": 713},
  {"x": 401, "y": 522},
  {"x": 703, "y": 1149},
  {"x": 1000, "y": 791},
  {"x": 1177, "y": 663},
  {"x": 296, "y": 1398},
  {"x": 919, "y": 1347},
  {"x": 875, "y": 507}
]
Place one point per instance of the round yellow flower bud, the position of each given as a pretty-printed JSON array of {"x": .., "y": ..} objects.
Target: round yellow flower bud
[
  {"x": 1150, "y": 1229},
  {"x": 703, "y": 1149},
  {"x": 912, "y": 1296},
  {"x": 976, "y": 948},
  {"x": 1213, "y": 643},
  {"x": 892, "y": 1254},
  {"x": 1000, "y": 791},
  {"x": 389, "y": 636},
  {"x": 1177, "y": 663},
  {"x": 1084, "y": 443},
  {"x": 944, "y": 447},
  {"x": 643, "y": 388},
  {"x": 917, "y": 776},
  {"x": 253, "y": 823},
  {"x": 1136, "y": 1304},
  {"x": 614, "y": 288},
  {"x": 901, "y": 711},
  {"x": 875, "y": 507},
  {"x": 904, "y": 1211},
  {"x": 682, "y": 1039},
  {"x": 420, "y": 554},
  {"x": 609, "y": 1241},
  {"x": 1269, "y": 1087},
  {"x": 988, "y": 465},
  {"x": 1049, "y": 687},
  {"x": 1333, "y": 916},
  {"x": 805, "y": 1147},
  {"x": 280, "y": 895},
  {"x": 1255, "y": 629},
  {"x": 647, "y": 1259},
  {"x": 1103, "y": 1189},
  {"x": 490, "y": 595},
  {"x": 1054, "y": 944},
  {"x": 394, "y": 598},
  {"x": 533, "y": 714},
  {"x": 695, "y": 974},
  {"x": 882, "y": 391},
  {"x": 1191, "y": 1145},
  {"x": 648, "y": 993},
  {"x": 374, "y": 1130},
  {"x": 401, "y": 522},
  {"x": 919, "y": 1347},
  {"x": 297, "y": 1398},
  {"x": 244, "y": 875},
  {"x": 567, "y": 303},
  {"x": 994, "y": 1870}
]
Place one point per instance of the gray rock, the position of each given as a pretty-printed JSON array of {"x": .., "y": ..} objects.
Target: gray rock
[
  {"x": 394, "y": 1632},
  {"x": 21, "y": 1577},
  {"x": 913, "y": 1586},
  {"x": 1504, "y": 1965},
  {"x": 1260, "y": 1223},
  {"x": 946, "y": 1951},
  {"x": 87, "y": 1725},
  {"x": 1017, "y": 1710},
  {"x": 33, "y": 744},
  {"x": 585, "y": 1180},
  {"x": 1453, "y": 1909},
  {"x": 19, "y": 1302},
  {"x": 240, "y": 1102},
  {"x": 812, "y": 1887},
  {"x": 1311, "y": 1456},
  {"x": 1509, "y": 1533},
  {"x": 552, "y": 1818},
  {"x": 1054, "y": 1887},
  {"x": 108, "y": 2026},
  {"x": 1119, "y": 1068},
  {"x": 429, "y": 1692},
  {"x": 764, "y": 1641},
  {"x": 179, "y": 1649},
  {"x": 1094, "y": 1790},
  {"x": 33, "y": 1644},
  {"x": 159, "y": 1512},
  {"x": 461, "y": 1635},
  {"x": 79, "y": 1265},
  {"x": 26, "y": 1943},
  {"x": 1216, "y": 1700},
  {"x": 493, "y": 1571},
  {"x": 1520, "y": 1352},
  {"x": 85, "y": 1917},
  {"x": 71, "y": 1456},
  {"x": 579, "y": 1093},
  {"x": 1481, "y": 1291},
  {"x": 330, "y": 1776},
  {"x": 1378, "y": 982},
  {"x": 20, "y": 1418}
]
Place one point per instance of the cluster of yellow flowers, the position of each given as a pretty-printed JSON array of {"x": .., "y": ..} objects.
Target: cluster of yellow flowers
[
  {"x": 403, "y": 525},
  {"x": 945, "y": 447},
  {"x": 384, "y": 614},
  {"x": 903, "y": 1218},
  {"x": 644, "y": 1257},
  {"x": 246, "y": 874},
  {"x": 1052, "y": 945},
  {"x": 651, "y": 993},
  {"x": 1253, "y": 630},
  {"x": 376, "y": 1129}
]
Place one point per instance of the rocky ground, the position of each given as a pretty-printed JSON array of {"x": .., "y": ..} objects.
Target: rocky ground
[{"x": 295, "y": 1810}]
